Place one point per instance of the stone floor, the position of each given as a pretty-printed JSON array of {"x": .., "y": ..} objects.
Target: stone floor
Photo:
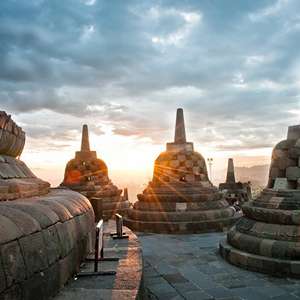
[{"x": 190, "y": 267}]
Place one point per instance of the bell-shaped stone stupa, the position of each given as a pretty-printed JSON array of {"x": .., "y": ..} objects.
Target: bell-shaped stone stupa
[
  {"x": 235, "y": 193},
  {"x": 267, "y": 239},
  {"x": 180, "y": 198},
  {"x": 88, "y": 175}
]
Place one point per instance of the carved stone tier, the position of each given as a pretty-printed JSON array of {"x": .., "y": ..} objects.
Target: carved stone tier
[
  {"x": 180, "y": 198},
  {"x": 266, "y": 239},
  {"x": 88, "y": 175}
]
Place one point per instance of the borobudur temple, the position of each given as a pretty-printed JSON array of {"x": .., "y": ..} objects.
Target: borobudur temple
[
  {"x": 180, "y": 198},
  {"x": 267, "y": 239}
]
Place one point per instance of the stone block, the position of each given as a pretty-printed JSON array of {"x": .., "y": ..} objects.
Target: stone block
[
  {"x": 3, "y": 284},
  {"x": 34, "y": 252},
  {"x": 181, "y": 206},
  {"x": 65, "y": 239},
  {"x": 52, "y": 244},
  {"x": 24, "y": 221},
  {"x": 279, "y": 154},
  {"x": 293, "y": 132},
  {"x": 294, "y": 152},
  {"x": 13, "y": 262},
  {"x": 174, "y": 163},
  {"x": 293, "y": 173},
  {"x": 280, "y": 183},
  {"x": 274, "y": 173},
  {"x": 284, "y": 163},
  {"x": 13, "y": 293},
  {"x": 190, "y": 177},
  {"x": 266, "y": 247},
  {"x": 8, "y": 230}
]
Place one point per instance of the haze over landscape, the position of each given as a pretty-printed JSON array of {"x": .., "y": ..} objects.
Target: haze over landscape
[{"x": 123, "y": 67}]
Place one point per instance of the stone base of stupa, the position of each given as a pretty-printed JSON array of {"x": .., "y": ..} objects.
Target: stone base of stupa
[
  {"x": 17, "y": 180},
  {"x": 106, "y": 200},
  {"x": 266, "y": 239},
  {"x": 189, "y": 210}
]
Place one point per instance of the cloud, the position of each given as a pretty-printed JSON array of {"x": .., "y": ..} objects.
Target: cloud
[
  {"x": 269, "y": 11},
  {"x": 128, "y": 65}
]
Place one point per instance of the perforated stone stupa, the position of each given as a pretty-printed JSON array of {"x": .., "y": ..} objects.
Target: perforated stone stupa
[
  {"x": 180, "y": 198},
  {"x": 267, "y": 238},
  {"x": 235, "y": 193},
  {"x": 88, "y": 175},
  {"x": 44, "y": 233}
]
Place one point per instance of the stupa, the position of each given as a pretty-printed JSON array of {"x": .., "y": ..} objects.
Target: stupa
[
  {"x": 180, "y": 198},
  {"x": 88, "y": 175},
  {"x": 267, "y": 238},
  {"x": 235, "y": 193},
  {"x": 45, "y": 233}
]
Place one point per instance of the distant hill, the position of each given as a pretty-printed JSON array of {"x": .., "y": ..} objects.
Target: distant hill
[{"x": 258, "y": 175}]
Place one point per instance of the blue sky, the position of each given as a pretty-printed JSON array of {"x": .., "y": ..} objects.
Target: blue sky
[{"x": 125, "y": 66}]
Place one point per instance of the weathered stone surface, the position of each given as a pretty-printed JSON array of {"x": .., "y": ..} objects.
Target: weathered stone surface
[
  {"x": 13, "y": 262},
  {"x": 34, "y": 253},
  {"x": 9, "y": 231},
  {"x": 52, "y": 243},
  {"x": 292, "y": 173},
  {"x": 180, "y": 198},
  {"x": 3, "y": 284}
]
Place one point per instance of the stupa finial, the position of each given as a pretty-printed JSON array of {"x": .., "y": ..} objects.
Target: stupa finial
[
  {"x": 180, "y": 128},
  {"x": 230, "y": 178},
  {"x": 85, "y": 143}
]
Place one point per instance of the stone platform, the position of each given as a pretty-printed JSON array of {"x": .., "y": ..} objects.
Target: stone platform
[
  {"x": 190, "y": 267},
  {"x": 126, "y": 284}
]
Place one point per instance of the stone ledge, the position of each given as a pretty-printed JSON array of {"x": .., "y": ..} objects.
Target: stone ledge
[
  {"x": 181, "y": 216},
  {"x": 257, "y": 263},
  {"x": 181, "y": 227}
]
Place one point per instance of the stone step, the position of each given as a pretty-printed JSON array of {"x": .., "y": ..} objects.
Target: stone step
[
  {"x": 183, "y": 216},
  {"x": 180, "y": 227},
  {"x": 279, "y": 216},
  {"x": 263, "y": 244},
  {"x": 174, "y": 206},
  {"x": 258, "y": 263}
]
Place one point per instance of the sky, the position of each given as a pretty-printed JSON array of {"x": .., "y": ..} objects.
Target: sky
[{"x": 123, "y": 67}]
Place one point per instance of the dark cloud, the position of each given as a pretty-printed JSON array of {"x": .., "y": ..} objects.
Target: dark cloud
[{"x": 130, "y": 64}]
